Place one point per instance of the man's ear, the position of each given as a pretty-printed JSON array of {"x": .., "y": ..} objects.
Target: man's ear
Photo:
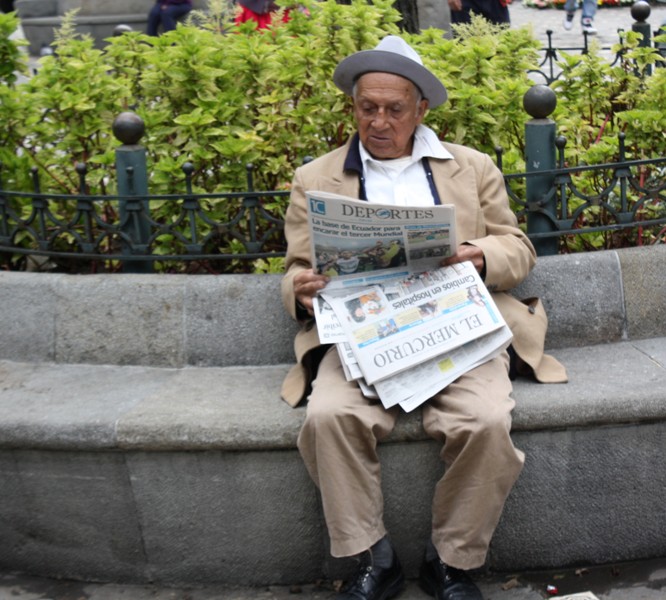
[{"x": 422, "y": 109}]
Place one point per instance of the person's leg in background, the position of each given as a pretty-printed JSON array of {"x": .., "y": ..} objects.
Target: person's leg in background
[
  {"x": 154, "y": 19},
  {"x": 172, "y": 13},
  {"x": 570, "y": 9},
  {"x": 587, "y": 20}
]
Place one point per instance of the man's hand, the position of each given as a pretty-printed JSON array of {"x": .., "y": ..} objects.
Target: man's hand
[
  {"x": 467, "y": 252},
  {"x": 306, "y": 285},
  {"x": 455, "y": 4}
]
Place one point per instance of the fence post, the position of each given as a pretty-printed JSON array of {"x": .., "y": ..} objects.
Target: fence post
[
  {"x": 661, "y": 46},
  {"x": 539, "y": 102},
  {"x": 640, "y": 11},
  {"x": 132, "y": 181}
]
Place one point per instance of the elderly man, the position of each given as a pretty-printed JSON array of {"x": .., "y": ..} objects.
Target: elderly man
[{"x": 395, "y": 159}]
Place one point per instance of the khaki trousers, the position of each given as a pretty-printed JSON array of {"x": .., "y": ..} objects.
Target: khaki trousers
[{"x": 471, "y": 418}]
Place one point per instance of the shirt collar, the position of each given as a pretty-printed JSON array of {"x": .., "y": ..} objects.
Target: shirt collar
[{"x": 426, "y": 144}]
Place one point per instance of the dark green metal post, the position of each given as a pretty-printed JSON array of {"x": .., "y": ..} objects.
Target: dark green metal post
[
  {"x": 132, "y": 181},
  {"x": 539, "y": 102},
  {"x": 640, "y": 11}
]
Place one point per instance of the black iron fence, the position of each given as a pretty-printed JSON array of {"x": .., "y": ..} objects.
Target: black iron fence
[
  {"x": 139, "y": 229},
  {"x": 624, "y": 199}
]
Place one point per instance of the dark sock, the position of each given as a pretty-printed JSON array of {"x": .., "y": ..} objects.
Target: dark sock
[
  {"x": 431, "y": 552},
  {"x": 382, "y": 553}
]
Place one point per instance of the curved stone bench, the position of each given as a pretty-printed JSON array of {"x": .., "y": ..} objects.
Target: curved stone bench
[{"x": 142, "y": 438}]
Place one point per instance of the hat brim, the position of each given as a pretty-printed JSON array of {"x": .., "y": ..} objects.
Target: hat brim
[{"x": 373, "y": 61}]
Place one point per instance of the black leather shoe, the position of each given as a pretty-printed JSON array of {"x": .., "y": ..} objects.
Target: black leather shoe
[
  {"x": 374, "y": 583},
  {"x": 446, "y": 583}
]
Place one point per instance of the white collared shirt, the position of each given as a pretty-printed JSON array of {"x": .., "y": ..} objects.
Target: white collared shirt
[{"x": 402, "y": 181}]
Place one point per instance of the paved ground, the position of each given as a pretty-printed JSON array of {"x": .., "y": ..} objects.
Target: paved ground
[
  {"x": 607, "y": 21},
  {"x": 638, "y": 581},
  {"x": 641, "y": 581}
]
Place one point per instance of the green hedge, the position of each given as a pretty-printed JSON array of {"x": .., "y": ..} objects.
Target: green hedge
[{"x": 221, "y": 97}]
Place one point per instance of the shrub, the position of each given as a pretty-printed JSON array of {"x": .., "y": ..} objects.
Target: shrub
[
  {"x": 221, "y": 97},
  {"x": 222, "y": 100}
]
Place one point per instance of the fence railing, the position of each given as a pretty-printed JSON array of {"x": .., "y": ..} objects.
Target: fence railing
[
  {"x": 135, "y": 229},
  {"x": 625, "y": 202},
  {"x": 129, "y": 229}
]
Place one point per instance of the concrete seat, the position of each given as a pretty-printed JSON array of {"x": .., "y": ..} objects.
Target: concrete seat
[{"x": 142, "y": 437}]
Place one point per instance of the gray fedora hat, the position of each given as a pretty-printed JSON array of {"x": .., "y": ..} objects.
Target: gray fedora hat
[{"x": 391, "y": 55}]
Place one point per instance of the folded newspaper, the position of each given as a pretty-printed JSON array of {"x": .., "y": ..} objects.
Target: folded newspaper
[{"x": 405, "y": 327}]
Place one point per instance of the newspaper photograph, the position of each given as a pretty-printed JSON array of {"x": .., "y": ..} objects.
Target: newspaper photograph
[{"x": 357, "y": 243}]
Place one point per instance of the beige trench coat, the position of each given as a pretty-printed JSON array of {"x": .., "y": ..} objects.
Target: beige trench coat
[{"x": 472, "y": 183}]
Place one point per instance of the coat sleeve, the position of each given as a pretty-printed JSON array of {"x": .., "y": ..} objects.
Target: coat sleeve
[
  {"x": 509, "y": 254},
  {"x": 296, "y": 231}
]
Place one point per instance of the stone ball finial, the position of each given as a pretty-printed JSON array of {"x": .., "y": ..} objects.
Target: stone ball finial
[
  {"x": 539, "y": 101},
  {"x": 128, "y": 127}
]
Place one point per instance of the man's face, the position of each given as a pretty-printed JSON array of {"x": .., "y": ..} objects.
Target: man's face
[{"x": 387, "y": 111}]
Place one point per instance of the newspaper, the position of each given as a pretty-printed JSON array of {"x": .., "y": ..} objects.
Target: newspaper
[
  {"x": 435, "y": 312},
  {"x": 358, "y": 244},
  {"x": 404, "y": 327},
  {"x": 413, "y": 386}
]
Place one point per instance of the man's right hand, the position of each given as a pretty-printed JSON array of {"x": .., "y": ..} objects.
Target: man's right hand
[{"x": 306, "y": 285}]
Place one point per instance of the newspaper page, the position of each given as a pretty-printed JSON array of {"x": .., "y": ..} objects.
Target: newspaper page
[
  {"x": 411, "y": 388},
  {"x": 357, "y": 243},
  {"x": 414, "y": 386},
  {"x": 436, "y": 312}
]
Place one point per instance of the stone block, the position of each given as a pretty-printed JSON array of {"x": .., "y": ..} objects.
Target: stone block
[
  {"x": 121, "y": 319},
  {"x": 69, "y": 515},
  {"x": 643, "y": 272},
  {"x": 242, "y": 518},
  {"x": 582, "y": 295},
  {"x": 237, "y": 320},
  {"x": 586, "y": 496},
  {"x": 27, "y": 332}
]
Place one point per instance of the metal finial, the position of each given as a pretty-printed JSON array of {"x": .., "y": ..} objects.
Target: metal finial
[
  {"x": 119, "y": 30},
  {"x": 640, "y": 11},
  {"x": 539, "y": 101},
  {"x": 128, "y": 127}
]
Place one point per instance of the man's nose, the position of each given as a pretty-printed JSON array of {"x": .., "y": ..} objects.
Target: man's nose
[{"x": 381, "y": 119}]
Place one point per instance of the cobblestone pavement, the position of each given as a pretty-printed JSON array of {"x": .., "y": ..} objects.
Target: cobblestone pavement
[{"x": 607, "y": 22}]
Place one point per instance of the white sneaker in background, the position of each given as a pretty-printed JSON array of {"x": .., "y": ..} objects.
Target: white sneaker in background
[
  {"x": 588, "y": 26},
  {"x": 568, "y": 21}
]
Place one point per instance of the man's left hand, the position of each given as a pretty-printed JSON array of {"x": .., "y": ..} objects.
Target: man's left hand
[{"x": 467, "y": 252}]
